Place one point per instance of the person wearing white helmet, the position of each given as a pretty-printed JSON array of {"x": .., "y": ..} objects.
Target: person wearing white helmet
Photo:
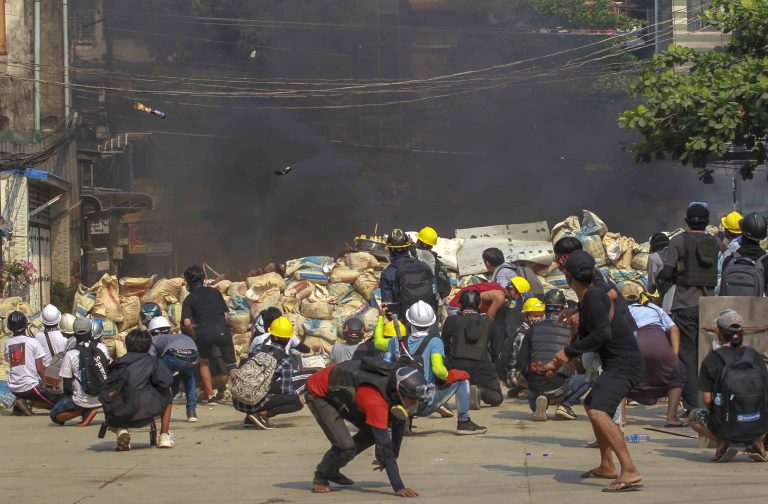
[
  {"x": 179, "y": 354},
  {"x": 67, "y": 328},
  {"x": 426, "y": 352},
  {"x": 51, "y": 338}
]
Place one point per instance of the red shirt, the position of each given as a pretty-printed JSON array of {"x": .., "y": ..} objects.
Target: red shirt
[
  {"x": 481, "y": 287},
  {"x": 370, "y": 402}
]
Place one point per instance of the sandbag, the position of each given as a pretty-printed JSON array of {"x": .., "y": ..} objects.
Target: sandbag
[
  {"x": 618, "y": 249},
  {"x": 354, "y": 301},
  {"x": 108, "y": 298},
  {"x": 300, "y": 289},
  {"x": 640, "y": 261},
  {"x": 131, "y": 311},
  {"x": 322, "y": 310},
  {"x": 592, "y": 224},
  {"x": 174, "y": 313},
  {"x": 316, "y": 276},
  {"x": 567, "y": 227},
  {"x": 268, "y": 299},
  {"x": 238, "y": 303},
  {"x": 593, "y": 245},
  {"x": 116, "y": 346},
  {"x": 298, "y": 323},
  {"x": 340, "y": 291},
  {"x": 265, "y": 282},
  {"x": 375, "y": 300},
  {"x": 222, "y": 286},
  {"x": 325, "y": 329},
  {"x": 322, "y": 263},
  {"x": 110, "y": 329},
  {"x": 239, "y": 339},
  {"x": 557, "y": 279},
  {"x": 237, "y": 288},
  {"x": 369, "y": 318},
  {"x": 366, "y": 284},
  {"x": 468, "y": 280},
  {"x": 290, "y": 305},
  {"x": 137, "y": 287},
  {"x": 239, "y": 320},
  {"x": 84, "y": 301},
  {"x": 344, "y": 274},
  {"x": 318, "y": 344},
  {"x": 167, "y": 287},
  {"x": 360, "y": 261}
]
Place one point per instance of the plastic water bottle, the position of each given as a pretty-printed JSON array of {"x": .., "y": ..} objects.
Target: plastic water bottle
[
  {"x": 718, "y": 399},
  {"x": 637, "y": 438}
]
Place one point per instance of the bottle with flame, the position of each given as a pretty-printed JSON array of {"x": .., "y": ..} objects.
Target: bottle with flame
[{"x": 143, "y": 108}]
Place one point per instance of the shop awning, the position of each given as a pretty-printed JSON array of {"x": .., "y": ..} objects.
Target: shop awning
[{"x": 121, "y": 201}]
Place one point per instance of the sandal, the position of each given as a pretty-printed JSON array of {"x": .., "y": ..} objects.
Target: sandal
[
  {"x": 620, "y": 486},
  {"x": 726, "y": 456},
  {"x": 594, "y": 474}
]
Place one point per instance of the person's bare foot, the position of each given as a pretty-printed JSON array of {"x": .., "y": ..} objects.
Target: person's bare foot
[
  {"x": 320, "y": 487},
  {"x": 629, "y": 478},
  {"x": 601, "y": 473}
]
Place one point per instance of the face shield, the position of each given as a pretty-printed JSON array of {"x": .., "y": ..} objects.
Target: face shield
[{"x": 423, "y": 393}]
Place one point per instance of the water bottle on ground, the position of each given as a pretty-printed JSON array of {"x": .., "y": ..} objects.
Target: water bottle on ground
[{"x": 637, "y": 438}]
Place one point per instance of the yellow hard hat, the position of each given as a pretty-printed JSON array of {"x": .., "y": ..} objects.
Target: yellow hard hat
[
  {"x": 281, "y": 327},
  {"x": 731, "y": 223},
  {"x": 520, "y": 284},
  {"x": 428, "y": 236},
  {"x": 389, "y": 329},
  {"x": 533, "y": 305}
]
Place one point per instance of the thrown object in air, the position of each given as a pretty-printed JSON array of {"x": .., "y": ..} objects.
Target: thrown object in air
[
  {"x": 284, "y": 171},
  {"x": 148, "y": 110}
]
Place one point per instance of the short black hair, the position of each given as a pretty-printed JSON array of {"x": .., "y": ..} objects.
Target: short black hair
[
  {"x": 659, "y": 241},
  {"x": 568, "y": 245},
  {"x": 194, "y": 275},
  {"x": 138, "y": 341},
  {"x": 493, "y": 256},
  {"x": 269, "y": 315}
]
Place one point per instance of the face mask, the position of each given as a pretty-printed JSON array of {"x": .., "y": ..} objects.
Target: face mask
[{"x": 418, "y": 334}]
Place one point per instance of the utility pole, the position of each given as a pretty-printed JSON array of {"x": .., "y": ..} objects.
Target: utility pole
[{"x": 656, "y": 26}]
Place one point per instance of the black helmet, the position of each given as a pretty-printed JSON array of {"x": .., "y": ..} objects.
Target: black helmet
[
  {"x": 409, "y": 382},
  {"x": 754, "y": 227},
  {"x": 17, "y": 322},
  {"x": 397, "y": 239},
  {"x": 659, "y": 241},
  {"x": 469, "y": 300},
  {"x": 148, "y": 312},
  {"x": 353, "y": 330},
  {"x": 554, "y": 300}
]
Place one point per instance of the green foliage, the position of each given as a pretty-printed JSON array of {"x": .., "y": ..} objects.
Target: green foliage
[
  {"x": 698, "y": 105},
  {"x": 63, "y": 296}
]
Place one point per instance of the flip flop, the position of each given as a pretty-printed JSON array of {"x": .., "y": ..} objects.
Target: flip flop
[
  {"x": 593, "y": 444},
  {"x": 675, "y": 425},
  {"x": 592, "y": 474},
  {"x": 622, "y": 487},
  {"x": 727, "y": 456},
  {"x": 756, "y": 457}
]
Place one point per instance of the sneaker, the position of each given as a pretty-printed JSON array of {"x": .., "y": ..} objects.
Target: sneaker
[
  {"x": 123, "y": 440},
  {"x": 166, "y": 440},
  {"x": 444, "y": 412},
  {"x": 260, "y": 422},
  {"x": 468, "y": 427},
  {"x": 22, "y": 408},
  {"x": 541, "y": 409},
  {"x": 268, "y": 421},
  {"x": 565, "y": 413},
  {"x": 191, "y": 416},
  {"x": 209, "y": 401},
  {"x": 474, "y": 397}
]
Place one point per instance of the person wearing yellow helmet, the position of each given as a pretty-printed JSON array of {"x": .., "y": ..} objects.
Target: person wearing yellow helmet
[
  {"x": 377, "y": 346},
  {"x": 406, "y": 280},
  {"x": 282, "y": 397},
  {"x": 731, "y": 227},
  {"x": 426, "y": 240},
  {"x": 506, "y": 361}
]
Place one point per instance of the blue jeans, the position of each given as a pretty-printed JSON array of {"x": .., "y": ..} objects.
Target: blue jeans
[
  {"x": 186, "y": 371},
  {"x": 442, "y": 394},
  {"x": 578, "y": 383},
  {"x": 63, "y": 405}
]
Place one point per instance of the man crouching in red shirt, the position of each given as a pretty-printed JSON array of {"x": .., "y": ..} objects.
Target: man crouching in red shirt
[{"x": 374, "y": 396}]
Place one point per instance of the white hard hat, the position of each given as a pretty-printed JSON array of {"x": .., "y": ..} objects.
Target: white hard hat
[
  {"x": 158, "y": 323},
  {"x": 421, "y": 314},
  {"x": 67, "y": 324},
  {"x": 51, "y": 315}
]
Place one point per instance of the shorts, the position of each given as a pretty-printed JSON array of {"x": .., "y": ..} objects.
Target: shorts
[
  {"x": 221, "y": 339},
  {"x": 610, "y": 388}
]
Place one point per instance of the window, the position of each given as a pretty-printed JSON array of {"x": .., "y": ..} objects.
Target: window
[
  {"x": 2, "y": 27},
  {"x": 82, "y": 26}
]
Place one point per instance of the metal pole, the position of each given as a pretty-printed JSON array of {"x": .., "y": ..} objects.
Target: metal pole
[
  {"x": 36, "y": 84},
  {"x": 65, "y": 31},
  {"x": 656, "y": 26}
]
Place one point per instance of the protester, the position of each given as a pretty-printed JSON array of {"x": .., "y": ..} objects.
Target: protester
[
  {"x": 145, "y": 383},
  {"x": 179, "y": 354},
  {"x": 501, "y": 272},
  {"x": 540, "y": 344},
  {"x": 659, "y": 341},
  {"x": 77, "y": 402},
  {"x": 426, "y": 241},
  {"x": 51, "y": 338},
  {"x": 148, "y": 312},
  {"x": 506, "y": 361},
  {"x": 352, "y": 333},
  {"x": 745, "y": 271},
  {"x": 427, "y": 351},
  {"x": 406, "y": 280},
  {"x": 25, "y": 356},
  {"x": 731, "y": 226},
  {"x": 377, "y": 398},
  {"x": 613, "y": 339},
  {"x": 467, "y": 341},
  {"x": 282, "y": 397},
  {"x": 378, "y": 346},
  {"x": 659, "y": 243},
  {"x": 261, "y": 326},
  {"x": 204, "y": 316},
  {"x": 734, "y": 383},
  {"x": 691, "y": 263}
]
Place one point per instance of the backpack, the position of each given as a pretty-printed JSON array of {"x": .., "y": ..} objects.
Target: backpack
[
  {"x": 442, "y": 280},
  {"x": 119, "y": 404},
  {"x": 52, "y": 382},
  {"x": 415, "y": 280},
  {"x": 93, "y": 372},
  {"x": 537, "y": 289},
  {"x": 254, "y": 379},
  {"x": 739, "y": 409},
  {"x": 743, "y": 277},
  {"x": 698, "y": 266},
  {"x": 415, "y": 359}
]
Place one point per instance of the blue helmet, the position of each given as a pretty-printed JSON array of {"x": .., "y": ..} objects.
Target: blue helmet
[{"x": 148, "y": 312}]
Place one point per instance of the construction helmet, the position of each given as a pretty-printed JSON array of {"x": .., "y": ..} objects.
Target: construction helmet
[
  {"x": 281, "y": 328},
  {"x": 397, "y": 239},
  {"x": 428, "y": 235},
  {"x": 67, "y": 323},
  {"x": 533, "y": 305},
  {"x": 51, "y": 315},
  {"x": 469, "y": 300},
  {"x": 409, "y": 382},
  {"x": 420, "y": 314},
  {"x": 353, "y": 330},
  {"x": 17, "y": 322},
  {"x": 97, "y": 329},
  {"x": 389, "y": 329},
  {"x": 82, "y": 326},
  {"x": 148, "y": 312},
  {"x": 159, "y": 325},
  {"x": 520, "y": 284},
  {"x": 754, "y": 227},
  {"x": 731, "y": 223},
  {"x": 632, "y": 292},
  {"x": 554, "y": 300}
]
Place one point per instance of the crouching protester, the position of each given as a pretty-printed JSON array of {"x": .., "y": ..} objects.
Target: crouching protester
[
  {"x": 84, "y": 371},
  {"x": 378, "y": 346},
  {"x": 137, "y": 390},
  {"x": 734, "y": 381},
  {"x": 268, "y": 374},
  {"x": 540, "y": 344},
  {"x": 376, "y": 397},
  {"x": 506, "y": 363}
]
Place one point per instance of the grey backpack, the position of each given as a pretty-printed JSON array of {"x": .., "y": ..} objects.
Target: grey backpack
[
  {"x": 743, "y": 277},
  {"x": 254, "y": 378}
]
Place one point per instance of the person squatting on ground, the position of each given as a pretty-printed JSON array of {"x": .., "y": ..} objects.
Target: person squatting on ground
[
  {"x": 734, "y": 382},
  {"x": 467, "y": 341},
  {"x": 607, "y": 332},
  {"x": 179, "y": 354},
  {"x": 426, "y": 352},
  {"x": 506, "y": 362},
  {"x": 352, "y": 333},
  {"x": 376, "y": 397},
  {"x": 540, "y": 344},
  {"x": 378, "y": 346},
  {"x": 51, "y": 338},
  {"x": 84, "y": 371}
]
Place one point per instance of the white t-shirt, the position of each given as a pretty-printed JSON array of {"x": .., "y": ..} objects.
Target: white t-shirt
[
  {"x": 70, "y": 368},
  {"x": 21, "y": 352},
  {"x": 262, "y": 338},
  {"x": 58, "y": 342}
]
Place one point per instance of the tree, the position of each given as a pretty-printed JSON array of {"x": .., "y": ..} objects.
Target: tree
[{"x": 704, "y": 106}]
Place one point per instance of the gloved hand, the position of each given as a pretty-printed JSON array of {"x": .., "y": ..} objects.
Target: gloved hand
[{"x": 455, "y": 375}]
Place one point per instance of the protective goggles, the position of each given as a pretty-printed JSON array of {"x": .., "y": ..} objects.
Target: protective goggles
[{"x": 425, "y": 393}]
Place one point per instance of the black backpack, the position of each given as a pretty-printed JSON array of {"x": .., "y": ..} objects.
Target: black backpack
[
  {"x": 698, "y": 266},
  {"x": 739, "y": 410},
  {"x": 94, "y": 366},
  {"x": 416, "y": 282},
  {"x": 119, "y": 403},
  {"x": 442, "y": 279},
  {"x": 415, "y": 359},
  {"x": 743, "y": 277}
]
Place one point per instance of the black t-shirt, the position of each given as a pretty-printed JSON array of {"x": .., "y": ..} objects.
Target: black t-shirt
[
  {"x": 712, "y": 367},
  {"x": 206, "y": 308},
  {"x": 620, "y": 305}
]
